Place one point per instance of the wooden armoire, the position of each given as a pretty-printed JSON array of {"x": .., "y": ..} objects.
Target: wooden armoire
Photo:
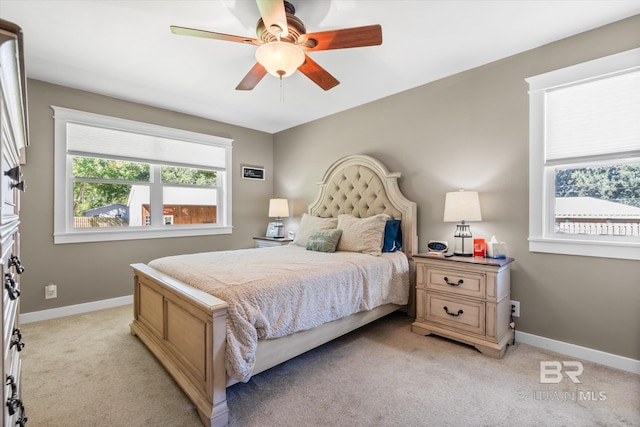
[{"x": 13, "y": 142}]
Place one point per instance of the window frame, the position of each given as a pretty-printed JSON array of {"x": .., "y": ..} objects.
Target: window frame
[
  {"x": 542, "y": 237},
  {"x": 64, "y": 232}
]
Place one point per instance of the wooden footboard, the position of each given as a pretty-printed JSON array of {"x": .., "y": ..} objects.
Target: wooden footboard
[{"x": 185, "y": 329}]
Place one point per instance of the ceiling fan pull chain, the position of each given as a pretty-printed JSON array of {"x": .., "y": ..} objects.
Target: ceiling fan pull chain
[{"x": 281, "y": 91}]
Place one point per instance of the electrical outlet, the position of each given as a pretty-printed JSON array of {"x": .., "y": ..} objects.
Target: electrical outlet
[
  {"x": 515, "y": 308},
  {"x": 50, "y": 291}
]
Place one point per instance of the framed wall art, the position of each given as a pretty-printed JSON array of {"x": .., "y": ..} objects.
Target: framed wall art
[{"x": 253, "y": 172}]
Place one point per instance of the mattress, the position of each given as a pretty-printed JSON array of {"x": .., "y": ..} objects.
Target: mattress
[{"x": 277, "y": 291}]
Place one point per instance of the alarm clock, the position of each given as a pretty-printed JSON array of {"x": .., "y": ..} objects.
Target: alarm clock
[{"x": 438, "y": 246}]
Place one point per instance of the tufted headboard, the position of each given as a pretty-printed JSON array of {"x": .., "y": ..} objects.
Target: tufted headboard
[{"x": 362, "y": 186}]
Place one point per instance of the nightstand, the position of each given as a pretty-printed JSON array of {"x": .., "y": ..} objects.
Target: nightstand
[
  {"x": 265, "y": 242},
  {"x": 466, "y": 299}
]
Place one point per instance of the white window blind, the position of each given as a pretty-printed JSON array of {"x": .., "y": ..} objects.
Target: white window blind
[
  {"x": 113, "y": 143},
  {"x": 81, "y": 134},
  {"x": 584, "y": 137},
  {"x": 594, "y": 118}
]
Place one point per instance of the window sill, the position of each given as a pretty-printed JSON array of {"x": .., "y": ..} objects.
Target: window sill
[
  {"x": 111, "y": 235},
  {"x": 630, "y": 251}
]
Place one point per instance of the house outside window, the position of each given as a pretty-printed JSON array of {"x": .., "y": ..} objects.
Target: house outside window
[
  {"x": 118, "y": 179},
  {"x": 584, "y": 175}
]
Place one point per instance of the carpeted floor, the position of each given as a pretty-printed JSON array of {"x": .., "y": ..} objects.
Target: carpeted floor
[{"x": 87, "y": 370}]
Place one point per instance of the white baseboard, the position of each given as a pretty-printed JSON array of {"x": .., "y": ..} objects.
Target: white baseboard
[
  {"x": 585, "y": 353},
  {"x": 53, "y": 313}
]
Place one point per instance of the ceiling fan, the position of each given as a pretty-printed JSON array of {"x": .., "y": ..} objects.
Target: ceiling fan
[{"x": 283, "y": 43}]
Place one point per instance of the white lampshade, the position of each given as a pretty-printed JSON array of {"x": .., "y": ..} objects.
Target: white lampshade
[
  {"x": 278, "y": 208},
  {"x": 280, "y": 59},
  {"x": 462, "y": 206}
]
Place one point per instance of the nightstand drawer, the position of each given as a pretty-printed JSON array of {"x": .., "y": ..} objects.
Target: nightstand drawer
[
  {"x": 456, "y": 313},
  {"x": 454, "y": 281}
]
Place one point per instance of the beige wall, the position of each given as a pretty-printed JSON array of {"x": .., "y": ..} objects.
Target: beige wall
[
  {"x": 86, "y": 272},
  {"x": 470, "y": 131}
]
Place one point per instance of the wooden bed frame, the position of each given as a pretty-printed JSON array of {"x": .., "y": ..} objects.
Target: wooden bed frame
[{"x": 185, "y": 328}]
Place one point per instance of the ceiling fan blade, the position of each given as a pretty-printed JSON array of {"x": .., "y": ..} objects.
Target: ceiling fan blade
[
  {"x": 319, "y": 75},
  {"x": 252, "y": 78},
  {"x": 273, "y": 15},
  {"x": 370, "y": 35},
  {"x": 184, "y": 31}
]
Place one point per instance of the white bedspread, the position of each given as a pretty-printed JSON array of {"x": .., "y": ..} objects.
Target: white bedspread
[{"x": 277, "y": 291}]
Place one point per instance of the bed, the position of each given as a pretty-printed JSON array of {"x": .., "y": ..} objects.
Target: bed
[{"x": 187, "y": 328}]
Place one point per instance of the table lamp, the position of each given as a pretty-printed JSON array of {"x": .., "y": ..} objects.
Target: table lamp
[{"x": 277, "y": 209}]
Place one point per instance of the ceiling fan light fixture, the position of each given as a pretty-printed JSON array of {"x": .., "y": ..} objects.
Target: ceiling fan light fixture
[{"x": 280, "y": 59}]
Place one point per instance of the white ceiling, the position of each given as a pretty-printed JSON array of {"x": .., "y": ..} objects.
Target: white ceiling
[{"x": 124, "y": 49}]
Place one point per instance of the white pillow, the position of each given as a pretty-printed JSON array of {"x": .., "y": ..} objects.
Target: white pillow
[
  {"x": 364, "y": 235},
  {"x": 309, "y": 223}
]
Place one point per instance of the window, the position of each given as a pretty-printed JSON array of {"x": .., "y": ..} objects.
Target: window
[
  {"x": 117, "y": 179},
  {"x": 584, "y": 174}
]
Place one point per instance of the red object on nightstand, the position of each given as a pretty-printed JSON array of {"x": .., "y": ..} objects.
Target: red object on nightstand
[{"x": 479, "y": 247}]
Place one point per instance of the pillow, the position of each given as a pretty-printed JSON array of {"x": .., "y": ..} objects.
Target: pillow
[
  {"x": 392, "y": 236},
  {"x": 362, "y": 234},
  {"x": 323, "y": 240},
  {"x": 309, "y": 223}
]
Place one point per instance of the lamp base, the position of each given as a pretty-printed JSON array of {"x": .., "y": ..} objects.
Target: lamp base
[
  {"x": 463, "y": 241},
  {"x": 462, "y": 254},
  {"x": 279, "y": 229}
]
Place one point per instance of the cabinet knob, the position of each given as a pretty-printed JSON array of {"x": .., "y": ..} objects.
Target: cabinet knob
[
  {"x": 13, "y": 403},
  {"x": 11, "y": 382},
  {"x": 22, "y": 420},
  {"x": 13, "y": 173},
  {"x": 19, "y": 185},
  {"x": 10, "y": 286},
  {"x": 17, "y": 341},
  {"x": 14, "y": 261}
]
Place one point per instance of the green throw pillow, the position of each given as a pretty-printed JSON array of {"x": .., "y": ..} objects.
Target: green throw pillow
[{"x": 324, "y": 240}]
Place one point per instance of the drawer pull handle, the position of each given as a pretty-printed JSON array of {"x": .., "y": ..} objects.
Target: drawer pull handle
[
  {"x": 446, "y": 310},
  {"x": 17, "y": 341},
  {"x": 10, "y": 286},
  {"x": 446, "y": 280},
  {"x": 14, "y": 261}
]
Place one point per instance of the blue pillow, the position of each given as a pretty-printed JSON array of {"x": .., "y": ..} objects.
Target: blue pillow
[{"x": 392, "y": 236}]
